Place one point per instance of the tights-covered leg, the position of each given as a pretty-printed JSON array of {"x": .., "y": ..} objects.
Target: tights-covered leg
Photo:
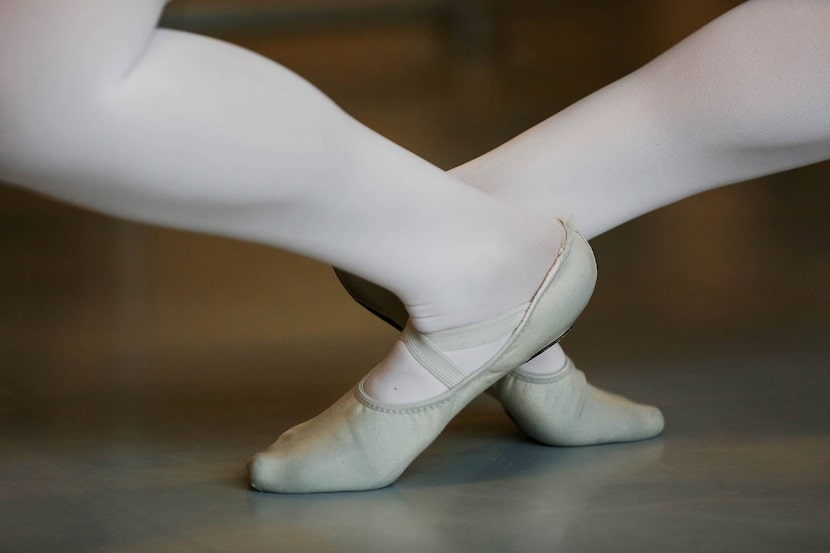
[
  {"x": 102, "y": 109},
  {"x": 742, "y": 97},
  {"x": 745, "y": 96}
]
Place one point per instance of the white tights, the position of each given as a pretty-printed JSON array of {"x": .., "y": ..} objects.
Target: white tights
[
  {"x": 102, "y": 109},
  {"x": 745, "y": 96}
]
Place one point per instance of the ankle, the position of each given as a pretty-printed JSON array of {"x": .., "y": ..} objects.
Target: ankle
[
  {"x": 550, "y": 362},
  {"x": 490, "y": 278}
]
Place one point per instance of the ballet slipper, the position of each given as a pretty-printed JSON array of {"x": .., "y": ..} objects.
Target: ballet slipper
[
  {"x": 360, "y": 443},
  {"x": 564, "y": 409},
  {"x": 561, "y": 409}
]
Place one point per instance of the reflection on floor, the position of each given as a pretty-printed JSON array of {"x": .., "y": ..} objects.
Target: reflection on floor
[{"x": 140, "y": 367}]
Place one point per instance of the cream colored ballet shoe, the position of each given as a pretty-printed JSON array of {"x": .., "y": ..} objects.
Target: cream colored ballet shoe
[
  {"x": 360, "y": 443},
  {"x": 564, "y": 409}
]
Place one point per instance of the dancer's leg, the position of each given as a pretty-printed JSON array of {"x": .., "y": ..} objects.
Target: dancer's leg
[
  {"x": 171, "y": 128},
  {"x": 102, "y": 109},
  {"x": 181, "y": 130},
  {"x": 745, "y": 96}
]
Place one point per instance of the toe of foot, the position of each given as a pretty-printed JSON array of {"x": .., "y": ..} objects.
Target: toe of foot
[{"x": 262, "y": 472}]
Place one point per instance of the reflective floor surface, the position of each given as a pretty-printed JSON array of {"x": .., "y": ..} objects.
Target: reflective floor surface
[
  {"x": 140, "y": 367},
  {"x": 155, "y": 462}
]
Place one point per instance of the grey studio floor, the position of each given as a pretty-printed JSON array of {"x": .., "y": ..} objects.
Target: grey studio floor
[{"x": 140, "y": 367}]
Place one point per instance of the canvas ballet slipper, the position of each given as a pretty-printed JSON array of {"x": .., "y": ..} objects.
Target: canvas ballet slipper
[
  {"x": 361, "y": 443},
  {"x": 564, "y": 409}
]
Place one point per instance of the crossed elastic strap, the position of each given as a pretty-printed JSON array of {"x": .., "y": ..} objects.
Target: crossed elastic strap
[{"x": 428, "y": 349}]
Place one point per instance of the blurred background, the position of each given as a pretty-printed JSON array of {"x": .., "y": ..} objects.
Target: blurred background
[{"x": 116, "y": 335}]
